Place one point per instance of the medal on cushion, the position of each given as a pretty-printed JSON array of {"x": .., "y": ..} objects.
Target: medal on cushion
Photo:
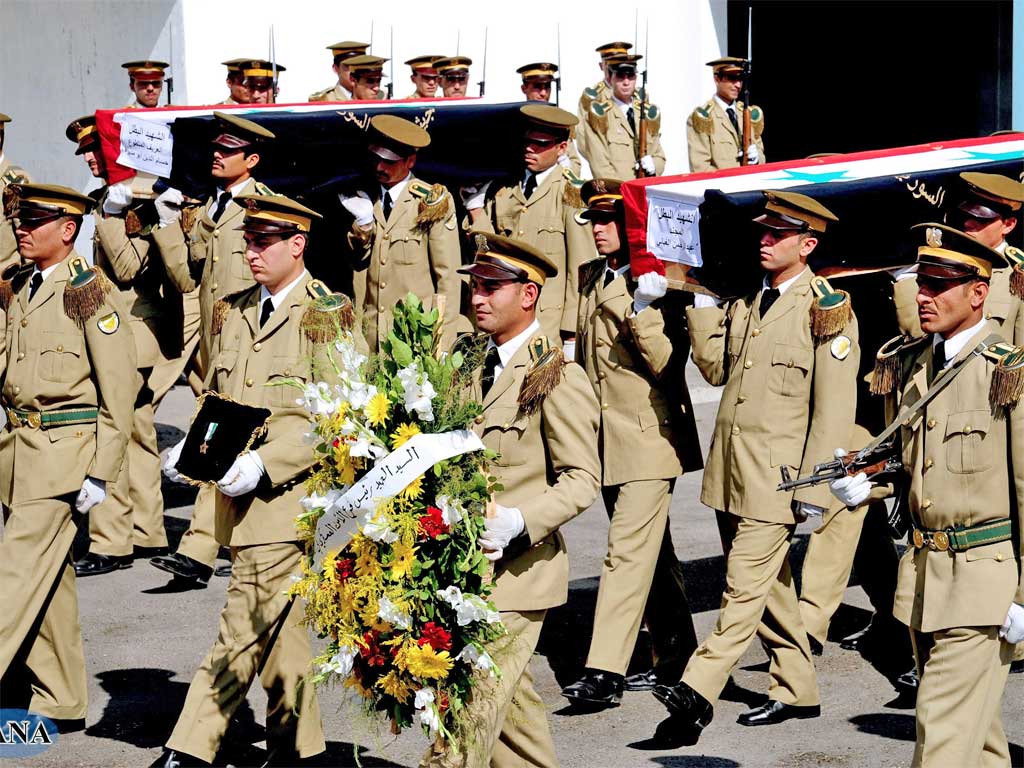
[{"x": 204, "y": 447}]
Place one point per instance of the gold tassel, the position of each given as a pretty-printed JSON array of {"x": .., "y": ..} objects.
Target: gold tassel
[
  {"x": 1008, "y": 380},
  {"x": 702, "y": 122},
  {"x": 84, "y": 294},
  {"x": 132, "y": 223},
  {"x": 189, "y": 216},
  {"x": 599, "y": 122},
  {"x": 571, "y": 195},
  {"x": 220, "y": 314},
  {"x": 1017, "y": 281},
  {"x": 827, "y": 321},
  {"x": 325, "y": 316},
  {"x": 885, "y": 374},
  {"x": 544, "y": 375},
  {"x": 430, "y": 213},
  {"x": 6, "y": 294}
]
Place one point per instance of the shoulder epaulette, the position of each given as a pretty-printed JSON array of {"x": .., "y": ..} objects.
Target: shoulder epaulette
[
  {"x": 597, "y": 115},
  {"x": 320, "y": 95},
  {"x": 756, "y": 118},
  {"x": 544, "y": 374},
  {"x": 14, "y": 175},
  {"x": 653, "y": 120},
  {"x": 1008, "y": 376},
  {"x": 701, "y": 119},
  {"x": 86, "y": 290},
  {"x": 434, "y": 202},
  {"x": 889, "y": 363},
  {"x": 223, "y": 306},
  {"x": 189, "y": 215},
  {"x": 589, "y": 273},
  {"x": 831, "y": 310},
  {"x": 11, "y": 280},
  {"x": 326, "y": 314},
  {"x": 571, "y": 191},
  {"x": 1015, "y": 257},
  {"x": 590, "y": 95},
  {"x": 261, "y": 188}
]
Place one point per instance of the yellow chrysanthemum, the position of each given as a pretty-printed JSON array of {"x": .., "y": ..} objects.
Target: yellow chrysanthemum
[
  {"x": 403, "y": 557},
  {"x": 343, "y": 461},
  {"x": 414, "y": 489},
  {"x": 402, "y": 435},
  {"x": 426, "y": 663},
  {"x": 367, "y": 564},
  {"x": 393, "y": 685},
  {"x": 377, "y": 409},
  {"x": 352, "y": 682}
]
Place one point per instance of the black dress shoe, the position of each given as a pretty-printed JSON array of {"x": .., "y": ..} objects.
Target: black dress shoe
[
  {"x": 685, "y": 705},
  {"x": 222, "y": 571},
  {"x": 145, "y": 553},
  {"x": 816, "y": 647},
  {"x": 94, "y": 565},
  {"x": 596, "y": 687},
  {"x": 852, "y": 642},
  {"x": 183, "y": 567},
  {"x": 172, "y": 759},
  {"x": 772, "y": 712},
  {"x": 1016, "y": 667},
  {"x": 907, "y": 683},
  {"x": 641, "y": 681},
  {"x": 675, "y": 731}
]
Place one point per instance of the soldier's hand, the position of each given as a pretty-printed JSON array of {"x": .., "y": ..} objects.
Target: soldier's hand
[
  {"x": 171, "y": 463},
  {"x": 118, "y": 197},
  {"x": 359, "y": 205},
  {"x": 243, "y": 476},
  {"x": 473, "y": 197},
  {"x": 1012, "y": 630},
  {"x": 499, "y": 530},
  {"x": 168, "y": 205},
  {"x": 852, "y": 490},
  {"x": 753, "y": 156},
  {"x": 93, "y": 492},
  {"x": 647, "y": 163},
  {"x": 650, "y": 287}
]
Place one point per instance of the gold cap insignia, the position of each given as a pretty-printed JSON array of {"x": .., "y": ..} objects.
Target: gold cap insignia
[
  {"x": 480, "y": 241},
  {"x": 933, "y": 236}
]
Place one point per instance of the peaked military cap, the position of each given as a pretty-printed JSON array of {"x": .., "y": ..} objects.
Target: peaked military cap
[
  {"x": 41, "y": 202},
  {"x": 146, "y": 70},
  {"x": 613, "y": 49},
  {"x": 601, "y": 196},
  {"x": 238, "y": 133},
  {"x": 395, "y": 137},
  {"x": 4, "y": 118},
  {"x": 235, "y": 65},
  {"x": 453, "y": 65},
  {"x": 365, "y": 64},
  {"x": 502, "y": 258},
  {"x": 83, "y": 132},
  {"x": 541, "y": 71},
  {"x": 258, "y": 69},
  {"x": 347, "y": 49},
  {"x": 949, "y": 254},
  {"x": 727, "y": 64},
  {"x": 623, "y": 63},
  {"x": 791, "y": 211},
  {"x": 548, "y": 116},
  {"x": 991, "y": 195},
  {"x": 275, "y": 214},
  {"x": 424, "y": 65}
]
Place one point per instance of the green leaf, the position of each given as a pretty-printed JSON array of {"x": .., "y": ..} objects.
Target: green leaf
[{"x": 400, "y": 351}]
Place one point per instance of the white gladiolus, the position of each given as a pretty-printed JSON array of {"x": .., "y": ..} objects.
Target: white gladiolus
[
  {"x": 318, "y": 400},
  {"x": 468, "y": 608},
  {"x": 478, "y": 658},
  {"x": 426, "y": 711},
  {"x": 378, "y": 529},
  {"x": 419, "y": 392},
  {"x": 387, "y": 611},
  {"x": 341, "y": 662},
  {"x": 452, "y": 510}
]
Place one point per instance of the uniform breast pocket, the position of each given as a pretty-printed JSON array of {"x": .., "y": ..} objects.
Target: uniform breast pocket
[
  {"x": 409, "y": 248},
  {"x": 223, "y": 365},
  {"x": 285, "y": 373},
  {"x": 967, "y": 450},
  {"x": 735, "y": 347},
  {"x": 790, "y": 366},
  {"x": 59, "y": 356},
  {"x": 509, "y": 426}
]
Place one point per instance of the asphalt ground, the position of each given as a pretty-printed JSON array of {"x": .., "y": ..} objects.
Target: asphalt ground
[{"x": 144, "y": 639}]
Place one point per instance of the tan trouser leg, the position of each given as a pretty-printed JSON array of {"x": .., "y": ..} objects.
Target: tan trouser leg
[
  {"x": 258, "y": 634},
  {"x": 147, "y": 501},
  {"x": 40, "y": 637},
  {"x": 199, "y": 542},
  {"x": 959, "y": 717},
  {"x": 759, "y": 598},
  {"x": 638, "y": 511},
  {"x": 110, "y": 522}
]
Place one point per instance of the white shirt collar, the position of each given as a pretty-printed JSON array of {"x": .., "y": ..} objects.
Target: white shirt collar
[
  {"x": 957, "y": 341},
  {"x": 617, "y": 272},
  {"x": 396, "y": 190},
  {"x": 46, "y": 272},
  {"x": 277, "y": 299},
  {"x": 508, "y": 350},
  {"x": 723, "y": 105},
  {"x": 783, "y": 286},
  {"x": 1001, "y": 248},
  {"x": 623, "y": 105},
  {"x": 540, "y": 176},
  {"x": 235, "y": 191}
]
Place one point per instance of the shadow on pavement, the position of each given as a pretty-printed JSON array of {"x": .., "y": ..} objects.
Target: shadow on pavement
[
  {"x": 899, "y": 727},
  {"x": 694, "y": 761}
]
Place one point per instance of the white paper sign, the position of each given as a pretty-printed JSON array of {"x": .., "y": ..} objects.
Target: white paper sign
[
  {"x": 146, "y": 145},
  {"x": 673, "y": 229},
  {"x": 390, "y": 476}
]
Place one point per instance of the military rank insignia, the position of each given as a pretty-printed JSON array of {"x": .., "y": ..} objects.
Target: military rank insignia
[
  {"x": 109, "y": 324},
  {"x": 326, "y": 314},
  {"x": 543, "y": 376},
  {"x": 1015, "y": 256},
  {"x": 86, "y": 291}
]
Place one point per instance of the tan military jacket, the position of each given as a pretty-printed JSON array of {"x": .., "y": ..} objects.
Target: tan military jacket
[
  {"x": 400, "y": 256},
  {"x": 228, "y": 101},
  {"x": 611, "y": 146},
  {"x": 51, "y": 363},
  {"x": 635, "y": 365},
  {"x": 9, "y": 174},
  {"x": 596, "y": 92},
  {"x": 549, "y": 468},
  {"x": 249, "y": 365},
  {"x": 712, "y": 143},
  {"x": 548, "y": 222},
  {"x": 334, "y": 93},
  {"x": 211, "y": 258},
  {"x": 965, "y": 459},
  {"x": 788, "y": 401}
]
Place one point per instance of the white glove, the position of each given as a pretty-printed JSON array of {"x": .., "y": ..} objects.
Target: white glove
[
  {"x": 852, "y": 490},
  {"x": 118, "y": 197},
  {"x": 569, "y": 349},
  {"x": 1012, "y": 630},
  {"x": 171, "y": 463},
  {"x": 703, "y": 301},
  {"x": 565, "y": 161},
  {"x": 168, "y": 205},
  {"x": 243, "y": 476},
  {"x": 903, "y": 273},
  {"x": 500, "y": 530},
  {"x": 93, "y": 492},
  {"x": 650, "y": 287},
  {"x": 360, "y": 206},
  {"x": 753, "y": 156},
  {"x": 473, "y": 197},
  {"x": 647, "y": 163}
]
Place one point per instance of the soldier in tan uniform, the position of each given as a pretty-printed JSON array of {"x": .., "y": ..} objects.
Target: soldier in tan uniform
[
  {"x": 261, "y": 80},
  {"x": 342, "y": 52},
  {"x": 404, "y": 235},
  {"x": 610, "y": 138},
  {"x": 69, "y": 382},
  {"x": 261, "y": 343},
  {"x": 788, "y": 356},
  {"x": 539, "y": 207},
  {"x": 549, "y": 468},
  {"x": 537, "y": 83},
  {"x": 960, "y": 590},
  {"x": 599, "y": 90},
  {"x": 424, "y": 76},
  {"x": 367, "y": 73},
  {"x": 238, "y": 92},
  {"x": 9, "y": 174},
  {"x": 454, "y": 72},
  {"x": 146, "y": 80},
  {"x": 714, "y": 131},
  {"x": 208, "y": 257},
  {"x": 632, "y": 343}
]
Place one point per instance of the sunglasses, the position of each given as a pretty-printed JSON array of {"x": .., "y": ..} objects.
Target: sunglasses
[
  {"x": 455, "y": 78},
  {"x": 733, "y": 77},
  {"x": 539, "y": 143}
]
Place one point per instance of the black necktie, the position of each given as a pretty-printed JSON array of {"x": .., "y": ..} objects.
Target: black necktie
[
  {"x": 222, "y": 203},
  {"x": 631, "y": 117},
  {"x": 609, "y": 275},
  {"x": 385, "y": 204},
  {"x": 33, "y": 286},
  {"x": 491, "y": 361},
  {"x": 768, "y": 297},
  {"x": 266, "y": 311},
  {"x": 731, "y": 112},
  {"x": 530, "y": 185},
  {"x": 938, "y": 358}
]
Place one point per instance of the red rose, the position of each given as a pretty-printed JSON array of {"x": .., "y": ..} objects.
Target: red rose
[
  {"x": 432, "y": 524},
  {"x": 345, "y": 568},
  {"x": 439, "y": 638},
  {"x": 373, "y": 653}
]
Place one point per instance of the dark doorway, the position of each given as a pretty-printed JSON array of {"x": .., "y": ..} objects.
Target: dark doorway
[{"x": 851, "y": 75}]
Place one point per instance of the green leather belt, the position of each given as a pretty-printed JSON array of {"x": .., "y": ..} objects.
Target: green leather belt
[
  {"x": 961, "y": 539},
  {"x": 17, "y": 417}
]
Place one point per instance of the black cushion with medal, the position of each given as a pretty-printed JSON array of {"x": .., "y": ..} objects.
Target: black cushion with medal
[{"x": 221, "y": 431}]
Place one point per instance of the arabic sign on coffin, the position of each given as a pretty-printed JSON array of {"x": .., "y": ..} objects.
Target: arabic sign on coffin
[{"x": 703, "y": 221}]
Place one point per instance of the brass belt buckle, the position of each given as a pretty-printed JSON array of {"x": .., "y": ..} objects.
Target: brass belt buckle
[
  {"x": 940, "y": 541},
  {"x": 34, "y": 420},
  {"x": 13, "y": 417},
  {"x": 918, "y": 538}
]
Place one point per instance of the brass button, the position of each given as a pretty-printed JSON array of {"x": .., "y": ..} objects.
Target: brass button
[
  {"x": 249, "y": 382},
  {"x": 741, "y": 399},
  {"x": 789, "y": 364},
  {"x": 216, "y": 258},
  {"x": 604, "y": 406},
  {"x": 520, "y": 233},
  {"x": 735, "y": 430},
  {"x": 999, "y": 557},
  {"x": 381, "y": 309},
  {"x": 214, "y": 286},
  {"x": 756, "y": 332},
  {"x": 21, "y": 355},
  {"x": 216, "y": 232},
  {"x": 383, "y": 259},
  {"x": 24, "y": 322},
  {"x": 602, "y": 375},
  {"x": 967, "y": 429},
  {"x": 479, "y": 419},
  {"x": 928, "y": 463},
  {"x": 926, "y": 504},
  {"x": 505, "y": 425},
  {"x": 932, "y": 423},
  {"x": 17, "y": 390},
  {"x": 387, "y": 236},
  {"x": 383, "y": 285},
  {"x": 748, "y": 364},
  {"x": 524, "y": 209},
  {"x": 287, "y": 371},
  {"x": 257, "y": 347},
  {"x": 60, "y": 347}
]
